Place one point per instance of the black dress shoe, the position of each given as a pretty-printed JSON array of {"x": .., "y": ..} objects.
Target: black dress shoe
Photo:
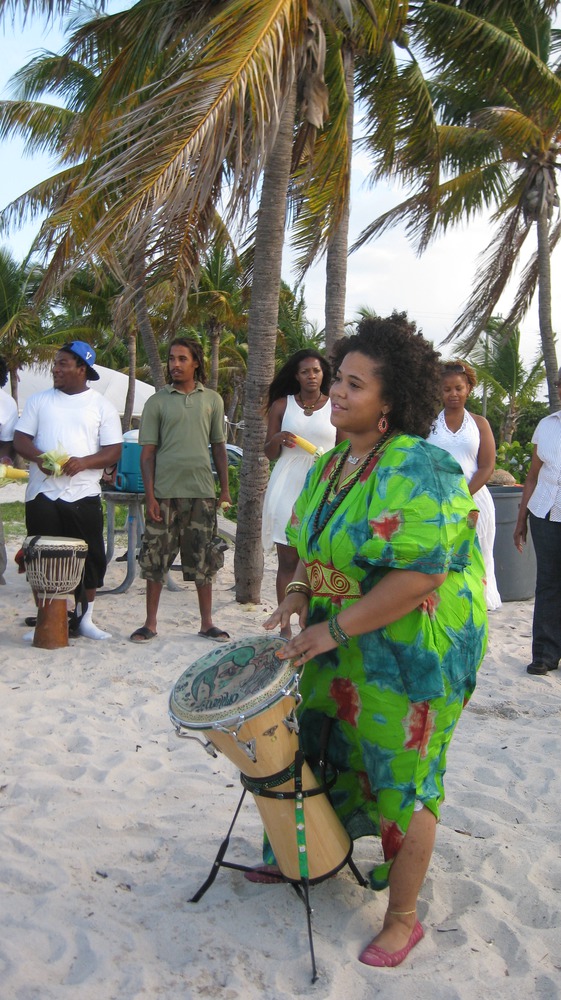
[{"x": 540, "y": 668}]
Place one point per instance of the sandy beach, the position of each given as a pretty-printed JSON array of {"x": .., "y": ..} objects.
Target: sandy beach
[{"x": 109, "y": 823}]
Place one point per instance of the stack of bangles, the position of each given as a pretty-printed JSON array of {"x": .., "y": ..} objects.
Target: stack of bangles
[
  {"x": 298, "y": 587},
  {"x": 337, "y": 633}
]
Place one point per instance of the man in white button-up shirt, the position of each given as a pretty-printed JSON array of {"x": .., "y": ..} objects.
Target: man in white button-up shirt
[{"x": 541, "y": 504}]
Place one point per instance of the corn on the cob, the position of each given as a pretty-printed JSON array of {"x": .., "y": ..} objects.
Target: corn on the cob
[
  {"x": 9, "y": 474},
  {"x": 308, "y": 446},
  {"x": 54, "y": 460}
]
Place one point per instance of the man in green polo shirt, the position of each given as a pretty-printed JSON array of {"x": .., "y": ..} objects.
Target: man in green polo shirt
[{"x": 178, "y": 424}]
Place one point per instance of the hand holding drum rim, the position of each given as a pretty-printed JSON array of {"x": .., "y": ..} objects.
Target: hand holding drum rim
[{"x": 310, "y": 642}]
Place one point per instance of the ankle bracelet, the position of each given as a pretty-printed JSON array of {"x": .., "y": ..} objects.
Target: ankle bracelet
[{"x": 402, "y": 913}]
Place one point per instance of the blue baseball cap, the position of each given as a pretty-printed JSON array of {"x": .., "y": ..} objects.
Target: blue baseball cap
[{"x": 86, "y": 353}]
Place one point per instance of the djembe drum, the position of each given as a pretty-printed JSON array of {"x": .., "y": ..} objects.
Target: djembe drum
[
  {"x": 54, "y": 568},
  {"x": 242, "y": 699}
]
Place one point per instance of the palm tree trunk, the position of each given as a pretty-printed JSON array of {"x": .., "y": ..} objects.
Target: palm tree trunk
[
  {"x": 337, "y": 251},
  {"x": 144, "y": 325},
  {"x": 262, "y": 337},
  {"x": 544, "y": 308},
  {"x": 129, "y": 401},
  {"x": 511, "y": 419},
  {"x": 232, "y": 411},
  {"x": 214, "y": 337},
  {"x": 14, "y": 384}
]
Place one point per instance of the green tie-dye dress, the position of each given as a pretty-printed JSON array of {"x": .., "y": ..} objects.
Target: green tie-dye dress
[{"x": 395, "y": 694}]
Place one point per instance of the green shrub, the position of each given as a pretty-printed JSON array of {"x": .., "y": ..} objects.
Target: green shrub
[
  {"x": 514, "y": 458},
  {"x": 529, "y": 420}
]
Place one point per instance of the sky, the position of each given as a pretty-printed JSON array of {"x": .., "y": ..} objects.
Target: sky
[{"x": 384, "y": 275}]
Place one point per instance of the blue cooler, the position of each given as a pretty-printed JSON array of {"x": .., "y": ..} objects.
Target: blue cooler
[{"x": 129, "y": 478}]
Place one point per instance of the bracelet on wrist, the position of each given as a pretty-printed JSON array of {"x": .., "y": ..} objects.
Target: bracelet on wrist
[
  {"x": 337, "y": 633},
  {"x": 298, "y": 587}
]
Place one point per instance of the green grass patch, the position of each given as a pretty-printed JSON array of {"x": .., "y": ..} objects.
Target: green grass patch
[{"x": 13, "y": 516}]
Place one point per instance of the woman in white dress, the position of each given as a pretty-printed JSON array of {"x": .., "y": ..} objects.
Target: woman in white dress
[
  {"x": 297, "y": 404},
  {"x": 469, "y": 438}
]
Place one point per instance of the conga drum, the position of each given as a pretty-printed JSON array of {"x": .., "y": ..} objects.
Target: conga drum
[
  {"x": 54, "y": 568},
  {"x": 242, "y": 699}
]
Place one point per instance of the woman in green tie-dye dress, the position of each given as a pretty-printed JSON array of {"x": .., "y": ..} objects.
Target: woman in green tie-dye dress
[{"x": 389, "y": 592}]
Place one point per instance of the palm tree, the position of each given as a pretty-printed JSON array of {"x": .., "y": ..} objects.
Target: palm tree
[
  {"x": 218, "y": 302},
  {"x": 57, "y": 129},
  {"x": 511, "y": 387},
  {"x": 295, "y": 331},
  {"x": 496, "y": 144},
  {"x": 22, "y": 323},
  {"x": 211, "y": 117}
]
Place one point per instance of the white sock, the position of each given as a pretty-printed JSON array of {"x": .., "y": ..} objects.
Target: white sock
[{"x": 87, "y": 627}]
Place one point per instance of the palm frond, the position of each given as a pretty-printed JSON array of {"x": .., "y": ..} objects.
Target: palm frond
[
  {"x": 492, "y": 277},
  {"x": 43, "y": 127},
  {"x": 443, "y": 31},
  {"x": 319, "y": 189},
  {"x": 404, "y": 140},
  {"x": 515, "y": 131},
  {"x": 447, "y": 204},
  {"x": 69, "y": 79},
  {"x": 48, "y": 8},
  {"x": 529, "y": 281},
  {"x": 219, "y": 99}
]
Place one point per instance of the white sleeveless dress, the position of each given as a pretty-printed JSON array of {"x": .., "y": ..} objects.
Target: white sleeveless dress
[
  {"x": 291, "y": 468},
  {"x": 464, "y": 446}
]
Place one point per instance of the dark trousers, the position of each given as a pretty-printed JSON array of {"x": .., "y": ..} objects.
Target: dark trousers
[
  {"x": 79, "y": 519},
  {"x": 546, "y": 630}
]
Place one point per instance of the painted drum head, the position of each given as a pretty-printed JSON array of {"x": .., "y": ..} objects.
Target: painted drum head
[{"x": 237, "y": 678}]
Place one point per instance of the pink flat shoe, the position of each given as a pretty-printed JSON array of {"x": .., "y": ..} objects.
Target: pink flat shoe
[
  {"x": 380, "y": 959},
  {"x": 264, "y": 874}
]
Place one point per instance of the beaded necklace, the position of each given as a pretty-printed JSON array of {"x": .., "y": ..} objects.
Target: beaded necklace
[
  {"x": 308, "y": 407},
  {"x": 321, "y": 518}
]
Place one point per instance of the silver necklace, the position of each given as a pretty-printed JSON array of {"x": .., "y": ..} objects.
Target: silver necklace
[{"x": 355, "y": 459}]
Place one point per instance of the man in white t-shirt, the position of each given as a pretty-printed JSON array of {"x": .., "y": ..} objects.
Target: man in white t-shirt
[
  {"x": 8, "y": 420},
  {"x": 74, "y": 419}
]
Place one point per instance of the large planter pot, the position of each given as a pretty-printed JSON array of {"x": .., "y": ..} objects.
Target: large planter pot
[{"x": 515, "y": 571}]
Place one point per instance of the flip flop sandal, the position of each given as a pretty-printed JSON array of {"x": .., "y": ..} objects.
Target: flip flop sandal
[
  {"x": 143, "y": 634},
  {"x": 216, "y": 634},
  {"x": 264, "y": 875}
]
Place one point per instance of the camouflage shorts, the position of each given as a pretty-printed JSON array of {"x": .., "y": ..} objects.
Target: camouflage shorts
[{"x": 188, "y": 527}]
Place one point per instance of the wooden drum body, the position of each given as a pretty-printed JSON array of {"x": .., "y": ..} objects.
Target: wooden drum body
[
  {"x": 243, "y": 700},
  {"x": 54, "y": 568}
]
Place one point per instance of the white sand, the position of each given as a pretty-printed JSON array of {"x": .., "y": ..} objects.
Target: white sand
[{"x": 109, "y": 824}]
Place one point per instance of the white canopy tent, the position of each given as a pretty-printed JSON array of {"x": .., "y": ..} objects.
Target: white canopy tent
[{"x": 112, "y": 385}]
